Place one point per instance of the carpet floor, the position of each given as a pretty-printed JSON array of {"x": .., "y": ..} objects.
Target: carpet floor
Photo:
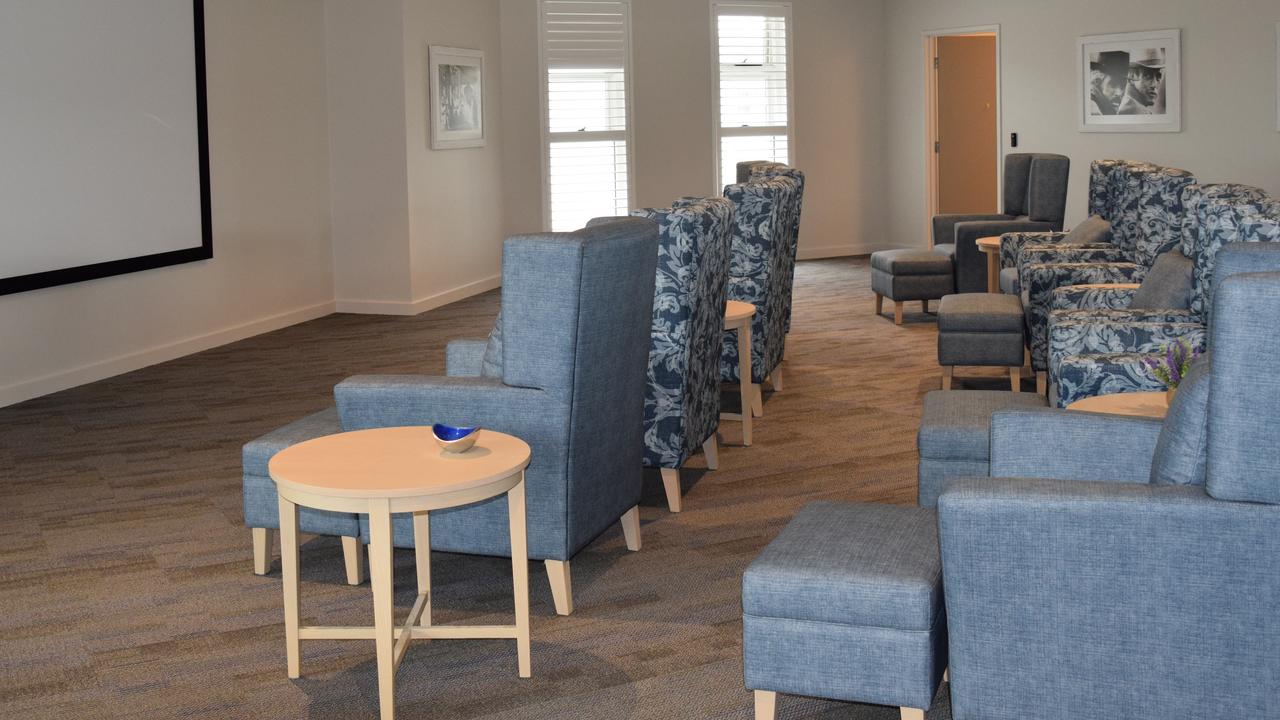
[{"x": 126, "y": 584}]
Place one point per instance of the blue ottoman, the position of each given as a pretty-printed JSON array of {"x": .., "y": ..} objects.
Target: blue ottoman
[
  {"x": 846, "y": 603},
  {"x": 262, "y": 505}
]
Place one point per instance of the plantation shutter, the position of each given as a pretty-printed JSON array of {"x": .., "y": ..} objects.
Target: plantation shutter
[
  {"x": 754, "y": 106},
  {"x": 584, "y": 54}
]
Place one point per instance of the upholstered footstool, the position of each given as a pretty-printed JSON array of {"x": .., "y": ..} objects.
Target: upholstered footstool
[
  {"x": 846, "y": 604},
  {"x": 955, "y": 435},
  {"x": 262, "y": 504},
  {"x": 902, "y": 275},
  {"x": 981, "y": 329}
]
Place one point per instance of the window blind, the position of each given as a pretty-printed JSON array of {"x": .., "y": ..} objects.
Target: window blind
[
  {"x": 584, "y": 57},
  {"x": 753, "y": 89}
]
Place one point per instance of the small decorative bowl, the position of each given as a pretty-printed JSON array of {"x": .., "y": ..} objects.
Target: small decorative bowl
[{"x": 454, "y": 439}]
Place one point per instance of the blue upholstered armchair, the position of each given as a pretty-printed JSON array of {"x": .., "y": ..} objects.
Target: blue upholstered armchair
[
  {"x": 1035, "y": 201},
  {"x": 1144, "y": 205},
  {"x": 1099, "y": 344},
  {"x": 1120, "y": 567},
  {"x": 565, "y": 371},
  {"x": 761, "y": 266},
  {"x": 682, "y": 397}
]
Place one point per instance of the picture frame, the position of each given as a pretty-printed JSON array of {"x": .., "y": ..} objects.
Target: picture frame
[
  {"x": 456, "y": 81},
  {"x": 1130, "y": 82}
]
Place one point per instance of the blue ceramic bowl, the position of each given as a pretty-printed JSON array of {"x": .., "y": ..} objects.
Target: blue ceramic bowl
[{"x": 454, "y": 439}]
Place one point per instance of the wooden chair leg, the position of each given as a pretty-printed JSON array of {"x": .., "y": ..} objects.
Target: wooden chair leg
[
  {"x": 775, "y": 378},
  {"x": 631, "y": 528},
  {"x": 263, "y": 541},
  {"x": 757, "y": 400},
  {"x": 711, "y": 448},
  {"x": 1015, "y": 379},
  {"x": 561, "y": 585},
  {"x": 907, "y": 713},
  {"x": 924, "y": 305},
  {"x": 766, "y": 705},
  {"x": 897, "y": 313},
  {"x": 353, "y": 558},
  {"x": 671, "y": 482},
  {"x": 879, "y": 304},
  {"x": 947, "y": 370},
  {"x": 1042, "y": 382}
]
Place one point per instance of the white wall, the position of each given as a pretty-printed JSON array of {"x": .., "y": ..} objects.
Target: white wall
[
  {"x": 1228, "y": 87},
  {"x": 272, "y": 264},
  {"x": 839, "y": 118}
]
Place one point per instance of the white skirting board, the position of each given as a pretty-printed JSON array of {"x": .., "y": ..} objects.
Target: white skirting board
[{"x": 392, "y": 307}]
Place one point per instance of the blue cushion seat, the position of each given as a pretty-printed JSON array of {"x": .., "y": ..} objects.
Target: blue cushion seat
[
  {"x": 846, "y": 603},
  {"x": 905, "y": 274}
]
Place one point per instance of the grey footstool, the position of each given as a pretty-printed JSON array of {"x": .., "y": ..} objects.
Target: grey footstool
[
  {"x": 846, "y": 603},
  {"x": 902, "y": 275},
  {"x": 955, "y": 435},
  {"x": 981, "y": 329},
  {"x": 262, "y": 505}
]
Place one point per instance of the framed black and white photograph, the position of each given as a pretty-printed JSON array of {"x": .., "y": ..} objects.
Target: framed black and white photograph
[
  {"x": 1130, "y": 82},
  {"x": 457, "y": 97}
]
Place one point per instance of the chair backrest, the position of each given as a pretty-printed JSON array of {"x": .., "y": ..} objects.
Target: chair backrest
[
  {"x": 1217, "y": 215},
  {"x": 1160, "y": 211},
  {"x": 1100, "y": 188},
  {"x": 1244, "y": 403},
  {"x": 682, "y": 401},
  {"x": 765, "y": 170},
  {"x": 1035, "y": 185}
]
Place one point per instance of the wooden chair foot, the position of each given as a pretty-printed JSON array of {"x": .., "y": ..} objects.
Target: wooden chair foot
[
  {"x": 561, "y": 585},
  {"x": 907, "y": 713},
  {"x": 775, "y": 379},
  {"x": 924, "y": 305},
  {"x": 263, "y": 542},
  {"x": 766, "y": 705},
  {"x": 947, "y": 371},
  {"x": 1042, "y": 382},
  {"x": 897, "y": 313},
  {"x": 879, "y": 304},
  {"x": 711, "y": 448},
  {"x": 631, "y": 528},
  {"x": 671, "y": 483},
  {"x": 1015, "y": 379}
]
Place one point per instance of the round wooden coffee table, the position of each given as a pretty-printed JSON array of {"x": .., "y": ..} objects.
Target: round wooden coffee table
[
  {"x": 991, "y": 246},
  {"x": 399, "y": 470},
  {"x": 1139, "y": 404}
]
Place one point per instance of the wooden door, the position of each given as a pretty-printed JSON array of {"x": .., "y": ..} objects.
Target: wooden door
[{"x": 966, "y": 124}]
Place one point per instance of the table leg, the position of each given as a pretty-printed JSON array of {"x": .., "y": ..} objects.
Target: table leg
[
  {"x": 744, "y": 361},
  {"x": 993, "y": 272},
  {"x": 422, "y": 558},
  {"x": 383, "y": 611},
  {"x": 289, "y": 575},
  {"x": 745, "y": 391},
  {"x": 520, "y": 573}
]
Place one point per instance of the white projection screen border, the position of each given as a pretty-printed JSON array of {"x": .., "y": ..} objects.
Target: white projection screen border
[{"x": 181, "y": 244}]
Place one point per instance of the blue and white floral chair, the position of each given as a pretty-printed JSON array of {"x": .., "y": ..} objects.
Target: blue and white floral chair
[
  {"x": 1099, "y": 345},
  {"x": 682, "y": 397},
  {"x": 761, "y": 267},
  {"x": 763, "y": 169}
]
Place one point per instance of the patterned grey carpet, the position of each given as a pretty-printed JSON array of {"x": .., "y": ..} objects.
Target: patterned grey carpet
[{"x": 126, "y": 588}]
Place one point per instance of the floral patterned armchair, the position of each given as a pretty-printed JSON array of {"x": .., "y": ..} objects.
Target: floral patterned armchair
[
  {"x": 761, "y": 267},
  {"x": 1099, "y": 345},
  {"x": 682, "y": 397},
  {"x": 762, "y": 169}
]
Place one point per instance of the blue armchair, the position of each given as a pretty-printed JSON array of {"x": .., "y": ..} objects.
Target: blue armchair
[
  {"x": 682, "y": 397},
  {"x": 1098, "y": 344},
  {"x": 565, "y": 371},
  {"x": 761, "y": 266},
  {"x": 1119, "y": 567}
]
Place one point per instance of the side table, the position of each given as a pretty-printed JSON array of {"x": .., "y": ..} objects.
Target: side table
[
  {"x": 738, "y": 316},
  {"x": 399, "y": 470},
  {"x": 1140, "y": 404},
  {"x": 991, "y": 247}
]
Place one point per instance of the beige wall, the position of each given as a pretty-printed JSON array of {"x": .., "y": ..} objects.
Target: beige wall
[
  {"x": 272, "y": 264},
  {"x": 1228, "y": 85},
  {"x": 839, "y": 117}
]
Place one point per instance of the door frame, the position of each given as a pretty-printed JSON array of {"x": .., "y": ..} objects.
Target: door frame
[{"x": 931, "y": 117}]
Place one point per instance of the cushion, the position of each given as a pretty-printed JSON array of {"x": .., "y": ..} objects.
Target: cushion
[
  {"x": 1093, "y": 230},
  {"x": 491, "y": 363},
  {"x": 956, "y": 424},
  {"x": 1009, "y": 283},
  {"x": 980, "y": 312},
  {"x": 1182, "y": 450},
  {"x": 851, "y": 564},
  {"x": 948, "y": 249},
  {"x": 258, "y": 452},
  {"x": 911, "y": 262},
  {"x": 1167, "y": 284}
]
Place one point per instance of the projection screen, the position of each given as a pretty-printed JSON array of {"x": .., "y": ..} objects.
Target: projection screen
[{"x": 104, "y": 159}]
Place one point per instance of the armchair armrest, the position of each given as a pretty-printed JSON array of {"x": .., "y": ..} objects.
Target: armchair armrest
[
  {"x": 971, "y": 263},
  {"x": 369, "y": 401},
  {"x": 463, "y": 358},
  {"x": 1038, "y": 283},
  {"x": 944, "y": 226},
  {"x": 1082, "y": 596},
  {"x": 1092, "y": 297},
  {"x": 1011, "y": 243},
  {"x": 1064, "y": 445}
]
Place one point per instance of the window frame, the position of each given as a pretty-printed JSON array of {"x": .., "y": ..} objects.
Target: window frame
[
  {"x": 749, "y": 7},
  {"x": 544, "y": 112}
]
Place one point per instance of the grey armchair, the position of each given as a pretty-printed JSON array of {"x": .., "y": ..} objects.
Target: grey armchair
[
  {"x": 1121, "y": 567},
  {"x": 565, "y": 371},
  {"x": 1035, "y": 200}
]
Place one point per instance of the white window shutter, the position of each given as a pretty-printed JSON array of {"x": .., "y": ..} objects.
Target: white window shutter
[{"x": 753, "y": 104}]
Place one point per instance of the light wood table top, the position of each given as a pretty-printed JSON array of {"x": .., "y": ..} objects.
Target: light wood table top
[
  {"x": 735, "y": 311},
  {"x": 990, "y": 244},
  {"x": 1138, "y": 404}
]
